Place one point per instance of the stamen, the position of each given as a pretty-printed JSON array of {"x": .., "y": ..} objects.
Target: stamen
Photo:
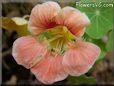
[
  {"x": 57, "y": 38},
  {"x": 57, "y": 45},
  {"x": 61, "y": 45},
  {"x": 50, "y": 40}
]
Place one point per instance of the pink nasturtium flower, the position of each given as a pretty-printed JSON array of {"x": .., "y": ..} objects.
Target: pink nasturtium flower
[{"x": 55, "y": 49}]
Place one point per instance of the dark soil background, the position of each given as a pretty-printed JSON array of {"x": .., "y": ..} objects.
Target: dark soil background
[{"x": 12, "y": 73}]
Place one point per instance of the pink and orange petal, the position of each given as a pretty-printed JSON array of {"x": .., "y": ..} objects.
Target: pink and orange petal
[
  {"x": 25, "y": 49},
  {"x": 42, "y": 19},
  {"x": 50, "y": 69},
  {"x": 78, "y": 59}
]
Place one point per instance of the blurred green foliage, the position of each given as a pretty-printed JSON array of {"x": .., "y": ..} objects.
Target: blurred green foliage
[
  {"x": 82, "y": 79},
  {"x": 109, "y": 45}
]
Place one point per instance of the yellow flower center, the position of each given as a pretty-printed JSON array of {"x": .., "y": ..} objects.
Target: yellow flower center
[{"x": 57, "y": 38}]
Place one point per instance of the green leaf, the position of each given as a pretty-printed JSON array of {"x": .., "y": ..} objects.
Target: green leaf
[
  {"x": 102, "y": 45},
  {"x": 82, "y": 79},
  {"x": 8, "y": 23},
  {"x": 109, "y": 45},
  {"x": 19, "y": 21},
  {"x": 101, "y": 56},
  {"x": 101, "y": 20},
  {"x": 17, "y": 24},
  {"x": 22, "y": 30}
]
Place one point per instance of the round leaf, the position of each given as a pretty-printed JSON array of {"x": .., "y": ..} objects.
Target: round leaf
[
  {"x": 101, "y": 20},
  {"x": 109, "y": 45}
]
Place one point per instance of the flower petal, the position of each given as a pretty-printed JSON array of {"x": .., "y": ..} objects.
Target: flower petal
[
  {"x": 34, "y": 29},
  {"x": 26, "y": 49},
  {"x": 80, "y": 58},
  {"x": 64, "y": 14},
  {"x": 42, "y": 15},
  {"x": 75, "y": 20},
  {"x": 49, "y": 70}
]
